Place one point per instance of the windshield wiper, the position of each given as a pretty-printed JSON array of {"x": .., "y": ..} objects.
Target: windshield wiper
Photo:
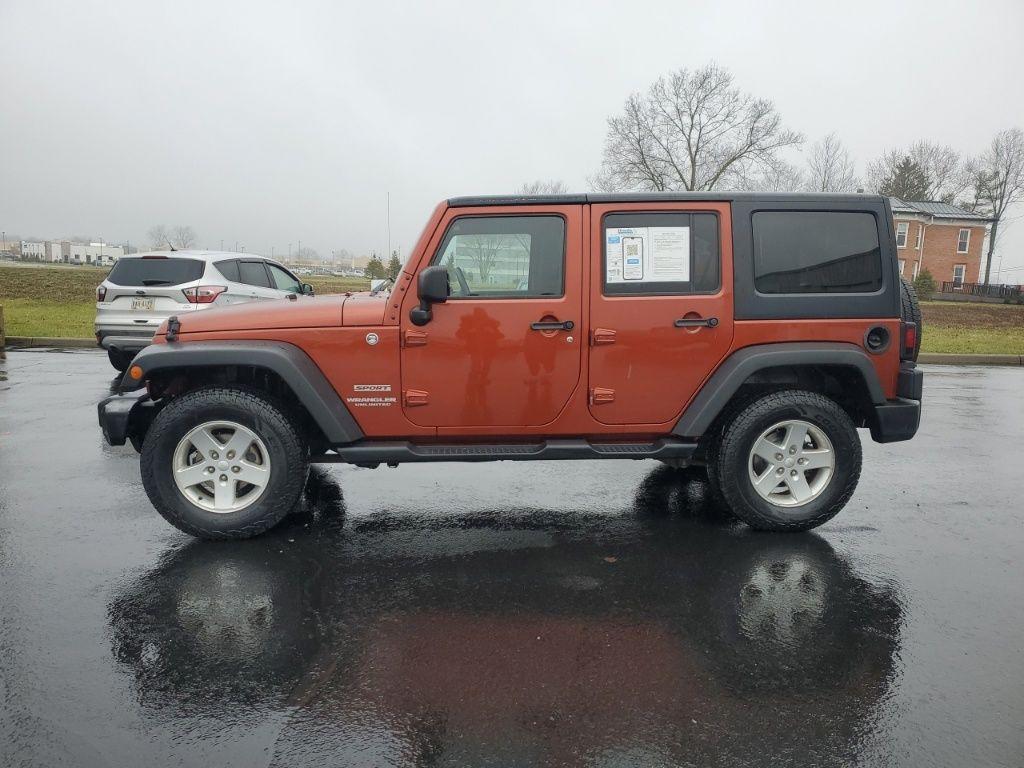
[{"x": 157, "y": 282}]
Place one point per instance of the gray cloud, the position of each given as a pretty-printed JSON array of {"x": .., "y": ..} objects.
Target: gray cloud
[{"x": 267, "y": 123}]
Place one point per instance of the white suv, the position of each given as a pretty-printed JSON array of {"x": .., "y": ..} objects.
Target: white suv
[{"x": 144, "y": 289}]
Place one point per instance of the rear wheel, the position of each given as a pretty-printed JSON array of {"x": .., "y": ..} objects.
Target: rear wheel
[
  {"x": 120, "y": 360},
  {"x": 223, "y": 463},
  {"x": 789, "y": 461}
]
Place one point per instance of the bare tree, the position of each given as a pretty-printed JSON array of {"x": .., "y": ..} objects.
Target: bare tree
[
  {"x": 947, "y": 171},
  {"x": 778, "y": 176},
  {"x": 692, "y": 130},
  {"x": 540, "y": 187},
  {"x": 160, "y": 238},
  {"x": 830, "y": 167},
  {"x": 183, "y": 236},
  {"x": 999, "y": 180}
]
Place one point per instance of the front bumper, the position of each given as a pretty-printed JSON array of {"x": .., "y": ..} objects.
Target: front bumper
[
  {"x": 899, "y": 419},
  {"x": 124, "y": 415}
]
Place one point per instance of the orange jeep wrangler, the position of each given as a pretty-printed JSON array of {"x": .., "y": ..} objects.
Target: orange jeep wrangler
[{"x": 751, "y": 334}]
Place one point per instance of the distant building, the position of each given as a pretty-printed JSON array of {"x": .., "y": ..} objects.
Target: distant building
[
  {"x": 33, "y": 250},
  {"x": 942, "y": 238},
  {"x": 98, "y": 254}
]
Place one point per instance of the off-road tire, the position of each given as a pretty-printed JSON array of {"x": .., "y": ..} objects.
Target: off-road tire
[
  {"x": 263, "y": 415},
  {"x": 120, "y": 360},
  {"x": 733, "y": 454},
  {"x": 911, "y": 309}
]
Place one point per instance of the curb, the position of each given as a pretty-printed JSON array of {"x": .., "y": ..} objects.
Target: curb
[
  {"x": 25, "y": 342},
  {"x": 945, "y": 358}
]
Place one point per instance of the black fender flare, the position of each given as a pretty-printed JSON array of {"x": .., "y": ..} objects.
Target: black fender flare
[
  {"x": 296, "y": 369},
  {"x": 742, "y": 364}
]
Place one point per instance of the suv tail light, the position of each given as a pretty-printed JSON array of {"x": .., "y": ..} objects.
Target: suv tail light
[
  {"x": 101, "y": 293},
  {"x": 908, "y": 340},
  {"x": 203, "y": 294}
]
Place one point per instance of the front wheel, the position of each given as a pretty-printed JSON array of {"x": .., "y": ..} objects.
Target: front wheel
[
  {"x": 223, "y": 463},
  {"x": 789, "y": 461}
]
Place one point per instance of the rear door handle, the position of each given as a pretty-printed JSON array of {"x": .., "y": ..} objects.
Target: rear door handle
[
  {"x": 553, "y": 325},
  {"x": 696, "y": 322}
]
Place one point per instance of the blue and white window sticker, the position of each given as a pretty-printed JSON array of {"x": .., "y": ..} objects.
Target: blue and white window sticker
[{"x": 647, "y": 254}]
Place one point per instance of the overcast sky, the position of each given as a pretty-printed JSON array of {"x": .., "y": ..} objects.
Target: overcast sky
[{"x": 270, "y": 123}]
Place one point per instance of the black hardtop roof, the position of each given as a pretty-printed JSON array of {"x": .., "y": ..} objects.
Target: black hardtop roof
[{"x": 661, "y": 197}]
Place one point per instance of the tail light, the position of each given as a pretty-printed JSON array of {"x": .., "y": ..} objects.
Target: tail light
[
  {"x": 101, "y": 293},
  {"x": 203, "y": 294},
  {"x": 908, "y": 340}
]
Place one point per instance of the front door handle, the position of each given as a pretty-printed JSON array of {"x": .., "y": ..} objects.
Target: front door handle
[
  {"x": 553, "y": 325},
  {"x": 696, "y": 322}
]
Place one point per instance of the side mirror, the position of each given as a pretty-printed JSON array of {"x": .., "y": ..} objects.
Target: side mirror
[
  {"x": 375, "y": 285},
  {"x": 433, "y": 288},
  {"x": 306, "y": 289}
]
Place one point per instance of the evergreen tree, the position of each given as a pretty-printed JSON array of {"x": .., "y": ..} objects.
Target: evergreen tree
[
  {"x": 394, "y": 266},
  {"x": 375, "y": 268},
  {"x": 908, "y": 181}
]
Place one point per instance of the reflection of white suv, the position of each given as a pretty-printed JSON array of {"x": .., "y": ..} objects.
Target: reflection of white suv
[{"x": 144, "y": 289}]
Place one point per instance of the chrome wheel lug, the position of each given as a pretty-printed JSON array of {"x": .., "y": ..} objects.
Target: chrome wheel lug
[
  {"x": 224, "y": 478},
  {"x": 214, "y": 455},
  {"x": 231, "y": 455},
  {"x": 236, "y": 469},
  {"x": 793, "y": 473},
  {"x": 778, "y": 457},
  {"x": 779, "y": 471}
]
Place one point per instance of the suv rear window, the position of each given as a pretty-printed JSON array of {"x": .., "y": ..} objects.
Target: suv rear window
[
  {"x": 816, "y": 252},
  {"x": 155, "y": 271}
]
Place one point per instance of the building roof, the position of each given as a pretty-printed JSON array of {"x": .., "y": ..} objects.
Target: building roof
[{"x": 935, "y": 209}]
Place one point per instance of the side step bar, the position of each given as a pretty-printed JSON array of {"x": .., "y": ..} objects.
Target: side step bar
[{"x": 397, "y": 452}]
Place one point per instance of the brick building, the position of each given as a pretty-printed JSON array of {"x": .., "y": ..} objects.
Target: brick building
[{"x": 942, "y": 238}]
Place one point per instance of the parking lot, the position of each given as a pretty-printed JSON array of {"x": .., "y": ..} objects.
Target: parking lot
[{"x": 574, "y": 613}]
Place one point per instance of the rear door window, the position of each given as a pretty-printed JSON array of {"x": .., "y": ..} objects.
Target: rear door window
[
  {"x": 816, "y": 252},
  {"x": 154, "y": 271},
  {"x": 283, "y": 280},
  {"x": 660, "y": 253},
  {"x": 253, "y": 273}
]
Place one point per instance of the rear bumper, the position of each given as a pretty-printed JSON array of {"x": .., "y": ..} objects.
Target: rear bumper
[
  {"x": 119, "y": 340},
  {"x": 899, "y": 419},
  {"x": 120, "y": 415}
]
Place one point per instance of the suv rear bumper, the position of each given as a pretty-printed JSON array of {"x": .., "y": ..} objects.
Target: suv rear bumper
[
  {"x": 125, "y": 341},
  {"x": 899, "y": 419}
]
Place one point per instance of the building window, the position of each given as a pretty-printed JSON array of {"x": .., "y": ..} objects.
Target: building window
[
  {"x": 920, "y": 234},
  {"x": 901, "y": 234},
  {"x": 963, "y": 241},
  {"x": 959, "y": 270},
  {"x": 902, "y": 265}
]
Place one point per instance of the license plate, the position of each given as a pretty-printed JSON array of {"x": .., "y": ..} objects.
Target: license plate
[{"x": 143, "y": 305}]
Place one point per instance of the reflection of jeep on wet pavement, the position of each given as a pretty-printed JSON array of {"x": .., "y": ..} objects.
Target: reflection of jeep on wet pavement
[
  {"x": 749, "y": 334},
  {"x": 522, "y": 640}
]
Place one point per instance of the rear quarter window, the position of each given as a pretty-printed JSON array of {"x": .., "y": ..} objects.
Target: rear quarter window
[
  {"x": 816, "y": 252},
  {"x": 155, "y": 271},
  {"x": 229, "y": 269}
]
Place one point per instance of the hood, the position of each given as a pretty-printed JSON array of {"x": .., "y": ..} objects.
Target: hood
[
  {"x": 304, "y": 312},
  {"x": 365, "y": 309}
]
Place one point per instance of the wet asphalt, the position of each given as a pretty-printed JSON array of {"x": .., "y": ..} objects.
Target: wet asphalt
[{"x": 577, "y": 613}]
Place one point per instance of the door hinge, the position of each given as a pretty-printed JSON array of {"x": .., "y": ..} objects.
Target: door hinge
[
  {"x": 412, "y": 338},
  {"x": 413, "y": 397},
  {"x": 600, "y": 395},
  {"x": 601, "y": 336}
]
